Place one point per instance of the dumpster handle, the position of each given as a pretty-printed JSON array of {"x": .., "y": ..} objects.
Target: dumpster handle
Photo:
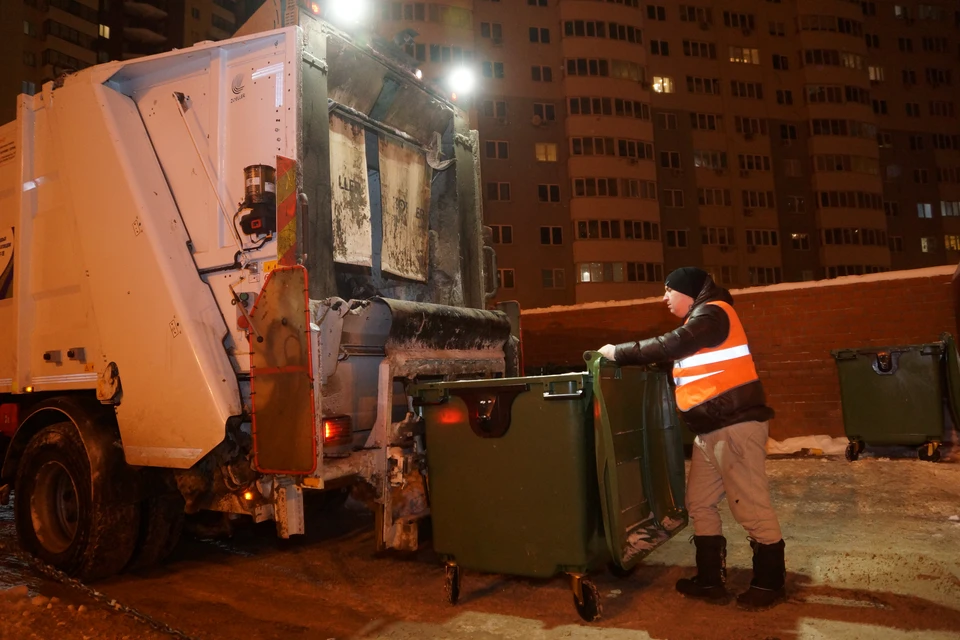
[
  {"x": 488, "y": 410},
  {"x": 562, "y": 396},
  {"x": 886, "y": 363}
]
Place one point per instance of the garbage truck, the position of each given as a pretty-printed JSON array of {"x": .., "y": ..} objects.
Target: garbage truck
[{"x": 220, "y": 269}]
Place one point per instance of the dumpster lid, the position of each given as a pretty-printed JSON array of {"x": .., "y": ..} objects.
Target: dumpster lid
[
  {"x": 434, "y": 392},
  {"x": 631, "y": 527},
  {"x": 926, "y": 348}
]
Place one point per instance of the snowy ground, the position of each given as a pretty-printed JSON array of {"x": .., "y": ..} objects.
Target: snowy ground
[{"x": 873, "y": 551}]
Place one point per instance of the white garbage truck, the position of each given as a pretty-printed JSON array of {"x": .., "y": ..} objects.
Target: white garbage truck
[{"x": 220, "y": 268}]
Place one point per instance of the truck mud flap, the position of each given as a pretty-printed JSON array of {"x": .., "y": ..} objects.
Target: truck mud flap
[{"x": 281, "y": 376}]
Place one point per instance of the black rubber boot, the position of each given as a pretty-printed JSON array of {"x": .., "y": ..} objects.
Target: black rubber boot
[
  {"x": 711, "y": 576},
  {"x": 769, "y": 574}
]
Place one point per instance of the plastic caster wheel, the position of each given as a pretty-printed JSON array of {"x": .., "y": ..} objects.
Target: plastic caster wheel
[
  {"x": 451, "y": 583},
  {"x": 929, "y": 452},
  {"x": 619, "y": 572},
  {"x": 852, "y": 451},
  {"x": 586, "y": 598}
]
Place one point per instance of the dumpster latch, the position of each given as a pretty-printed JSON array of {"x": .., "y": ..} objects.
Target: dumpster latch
[
  {"x": 886, "y": 362},
  {"x": 489, "y": 409}
]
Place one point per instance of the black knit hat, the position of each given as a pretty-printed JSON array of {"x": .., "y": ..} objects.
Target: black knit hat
[{"x": 687, "y": 280}]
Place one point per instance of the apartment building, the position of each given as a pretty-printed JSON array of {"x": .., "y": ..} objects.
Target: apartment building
[
  {"x": 764, "y": 141},
  {"x": 146, "y": 27},
  {"x": 42, "y": 39}
]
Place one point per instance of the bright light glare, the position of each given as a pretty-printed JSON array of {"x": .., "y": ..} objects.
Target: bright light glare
[
  {"x": 462, "y": 80},
  {"x": 348, "y": 11},
  {"x": 419, "y": 74}
]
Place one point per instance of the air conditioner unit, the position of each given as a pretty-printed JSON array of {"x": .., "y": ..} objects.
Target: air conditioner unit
[
  {"x": 719, "y": 172},
  {"x": 724, "y": 248},
  {"x": 747, "y": 31},
  {"x": 633, "y": 160},
  {"x": 744, "y": 173},
  {"x": 644, "y": 84},
  {"x": 751, "y": 248},
  {"x": 748, "y": 135},
  {"x": 748, "y": 212},
  {"x": 502, "y": 121},
  {"x": 496, "y": 41},
  {"x": 536, "y": 120},
  {"x": 678, "y": 172},
  {"x": 705, "y": 25}
]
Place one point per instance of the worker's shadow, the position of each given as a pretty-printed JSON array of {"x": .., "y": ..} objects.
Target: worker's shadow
[{"x": 811, "y": 610}]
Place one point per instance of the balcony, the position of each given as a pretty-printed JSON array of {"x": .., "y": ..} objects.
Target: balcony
[
  {"x": 144, "y": 35},
  {"x": 144, "y": 9}
]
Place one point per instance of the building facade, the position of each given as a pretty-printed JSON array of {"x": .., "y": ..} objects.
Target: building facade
[
  {"x": 42, "y": 39},
  {"x": 764, "y": 141}
]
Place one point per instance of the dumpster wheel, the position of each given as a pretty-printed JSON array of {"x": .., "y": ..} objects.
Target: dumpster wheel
[
  {"x": 451, "y": 583},
  {"x": 586, "y": 598},
  {"x": 930, "y": 452},
  {"x": 853, "y": 450}
]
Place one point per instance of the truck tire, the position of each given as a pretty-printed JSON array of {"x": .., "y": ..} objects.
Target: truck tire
[
  {"x": 62, "y": 517},
  {"x": 161, "y": 522}
]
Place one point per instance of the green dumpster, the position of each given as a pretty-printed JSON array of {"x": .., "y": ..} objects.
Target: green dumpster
[
  {"x": 895, "y": 395},
  {"x": 543, "y": 475}
]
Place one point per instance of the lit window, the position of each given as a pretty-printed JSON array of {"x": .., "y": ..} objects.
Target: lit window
[
  {"x": 744, "y": 55},
  {"x": 546, "y": 152},
  {"x": 662, "y": 84},
  {"x": 105, "y": 32}
]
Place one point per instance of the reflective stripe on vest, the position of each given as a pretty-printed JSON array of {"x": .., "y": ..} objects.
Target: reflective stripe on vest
[{"x": 711, "y": 372}]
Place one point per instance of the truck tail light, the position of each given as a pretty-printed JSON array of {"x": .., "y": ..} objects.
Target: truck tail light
[{"x": 337, "y": 431}]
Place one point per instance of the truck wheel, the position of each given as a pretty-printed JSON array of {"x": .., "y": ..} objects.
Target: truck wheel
[
  {"x": 161, "y": 522},
  {"x": 61, "y": 515}
]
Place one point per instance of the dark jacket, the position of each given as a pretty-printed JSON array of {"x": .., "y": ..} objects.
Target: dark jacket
[{"x": 707, "y": 326}]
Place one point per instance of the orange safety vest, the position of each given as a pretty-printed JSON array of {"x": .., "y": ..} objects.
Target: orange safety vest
[{"x": 711, "y": 372}]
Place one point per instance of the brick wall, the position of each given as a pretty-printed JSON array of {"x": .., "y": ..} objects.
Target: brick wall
[{"x": 791, "y": 329}]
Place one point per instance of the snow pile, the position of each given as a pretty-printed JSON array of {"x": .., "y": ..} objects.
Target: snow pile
[{"x": 825, "y": 444}]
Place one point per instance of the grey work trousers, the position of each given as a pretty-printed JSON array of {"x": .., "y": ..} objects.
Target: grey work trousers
[{"x": 730, "y": 461}]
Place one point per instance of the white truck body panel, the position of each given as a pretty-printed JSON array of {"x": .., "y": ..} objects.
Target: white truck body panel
[{"x": 102, "y": 250}]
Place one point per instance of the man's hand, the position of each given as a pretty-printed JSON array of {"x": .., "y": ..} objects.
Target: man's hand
[{"x": 608, "y": 351}]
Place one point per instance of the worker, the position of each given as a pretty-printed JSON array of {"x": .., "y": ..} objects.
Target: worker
[{"x": 722, "y": 402}]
